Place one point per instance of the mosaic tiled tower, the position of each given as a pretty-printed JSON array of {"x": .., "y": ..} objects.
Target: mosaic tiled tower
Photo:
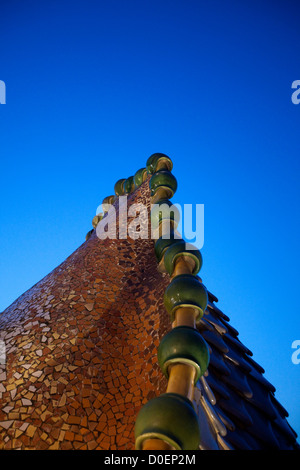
[{"x": 122, "y": 347}]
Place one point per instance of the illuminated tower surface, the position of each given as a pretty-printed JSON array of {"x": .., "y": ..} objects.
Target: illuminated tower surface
[{"x": 82, "y": 358}]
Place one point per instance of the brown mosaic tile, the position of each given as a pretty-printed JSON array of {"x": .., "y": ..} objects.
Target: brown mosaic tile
[
  {"x": 81, "y": 349},
  {"x": 83, "y": 338}
]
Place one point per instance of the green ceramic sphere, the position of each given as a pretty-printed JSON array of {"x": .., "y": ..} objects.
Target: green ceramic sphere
[
  {"x": 119, "y": 187},
  {"x": 153, "y": 161},
  {"x": 139, "y": 177},
  {"x": 128, "y": 185},
  {"x": 97, "y": 219},
  {"x": 185, "y": 290},
  {"x": 149, "y": 163},
  {"x": 108, "y": 201},
  {"x": 170, "y": 417},
  {"x": 89, "y": 234},
  {"x": 184, "y": 345},
  {"x": 162, "y": 244},
  {"x": 178, "y": 249},
  {"x": 163, "y": 179},
  {"x": 164, "y": 210}
]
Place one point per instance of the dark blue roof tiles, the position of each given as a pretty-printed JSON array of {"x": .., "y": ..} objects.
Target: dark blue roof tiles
[
  {"x": 261, "y": 427},
  {"x": 280, "y": 423},
  {"x": 237, "y": 343},
  {"x": 237, "y": 380},
  {"x": 282, "y": 411},
  {"x": 261, "y": 398},
  {"x": 208, "y": 391},
  {"x": 234, "y": 407},
  {"x": 214, "y": 339},
  {"x": 262, "y": 380},
  {"x": 213, "y": 319},
  {"x": 230, "y": 426},
  {"x": 238, "y": 360},
  {"x": 205, "y": 325},
  {"x": 212, "y": 297},
  {"x": 217, "y": 386},
  {"x": 235, "y": 394},
  {"x": 255, "y": 365},
  {"x": 216, "y": 362},
  {"x": 213, "y": 307},
  {"x": 231, "y": 330},
  {"x": 239, "y": 442}
]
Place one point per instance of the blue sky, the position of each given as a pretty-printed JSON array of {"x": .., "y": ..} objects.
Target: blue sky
[{"x": 94, "y": 88}]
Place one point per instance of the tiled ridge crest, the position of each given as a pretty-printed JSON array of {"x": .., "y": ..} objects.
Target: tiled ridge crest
[
  {"x": 214, "y": 383},
  {"x": 99, "y": 345}
]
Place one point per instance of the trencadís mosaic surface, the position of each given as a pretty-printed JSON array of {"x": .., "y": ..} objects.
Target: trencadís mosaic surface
[{"x": 90, "y": 348}]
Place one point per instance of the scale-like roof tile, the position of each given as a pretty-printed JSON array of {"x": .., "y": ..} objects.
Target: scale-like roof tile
[{"x": 235, "y": 393}]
